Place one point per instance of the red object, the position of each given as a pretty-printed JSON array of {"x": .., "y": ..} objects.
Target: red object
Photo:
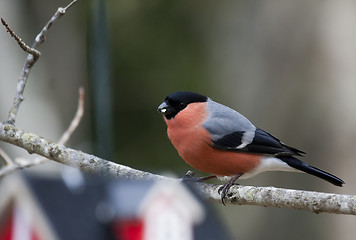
[
  {"x": 129, "y": 229},
  {"x": 6, "y": 230}
]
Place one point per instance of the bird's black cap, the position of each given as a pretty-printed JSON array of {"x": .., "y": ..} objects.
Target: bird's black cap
[{"x": 177, "y": 101}]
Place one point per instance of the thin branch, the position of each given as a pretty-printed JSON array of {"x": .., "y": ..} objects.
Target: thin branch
[
  {"x": 76, "y": 120},
  {"x": 6, "y": 157},
  {"x": 41, "y": 37},
  {"x": 4, "y": 171},
  {"x": 243, "y": 195},
  {"x": 19, "y": 41},
  {"x": 30, "y": 60},
  {"x": 20, "y": 163}
]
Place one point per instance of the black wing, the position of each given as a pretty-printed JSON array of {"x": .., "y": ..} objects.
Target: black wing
[{"x": 262, "y": 143}]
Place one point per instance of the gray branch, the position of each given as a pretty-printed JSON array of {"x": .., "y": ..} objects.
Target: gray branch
[
  {"x": 284, "y": 198},
  {"x": 59, "y": 153},
  {"x": 31, "y": 59},
  {"x": 241, "y": 195}
]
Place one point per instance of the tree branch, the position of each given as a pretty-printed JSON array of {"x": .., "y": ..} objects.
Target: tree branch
[
  {"x": 76, "y": 120},
  {"x": 36, "y": 54},
  {"x": 30, "y": 60},
  {"x": 59, "y": 153},
  {"x": 284, "y": 198},
  {"x": 242, "y": 195},
  {"x": 6, "y": 157},
  {"x": 20, "y": 163}
]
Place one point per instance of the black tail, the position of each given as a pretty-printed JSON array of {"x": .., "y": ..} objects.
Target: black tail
[{"x": 296, "y": 163}]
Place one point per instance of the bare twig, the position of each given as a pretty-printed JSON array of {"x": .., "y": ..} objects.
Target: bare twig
[
  {"x": 21, "y": 163},
  {"x": 30, "y": 60},
  {"x": 40, "y": 38},
  {"x": 243, "y": 195},
  {"x": 8, "y": 169},
  {"x": 36, "y": 54},
  {"x": 6, "y": 157},
  {"x": 76, "y": 120}
]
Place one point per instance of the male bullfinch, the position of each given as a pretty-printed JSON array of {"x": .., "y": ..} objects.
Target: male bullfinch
[{"x": 216, "y": 139}]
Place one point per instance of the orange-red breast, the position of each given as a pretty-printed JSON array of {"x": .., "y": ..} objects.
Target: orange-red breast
[{"x": 216, "y": 139}]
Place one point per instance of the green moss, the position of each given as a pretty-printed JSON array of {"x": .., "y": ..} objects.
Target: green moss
[
  {"x": 28, "y": 137},
  {"x": 7, "y": 128},
  {"x": 54, "y": 151}
]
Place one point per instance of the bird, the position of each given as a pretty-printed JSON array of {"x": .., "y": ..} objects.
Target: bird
[{"x": 218, "y": 140}]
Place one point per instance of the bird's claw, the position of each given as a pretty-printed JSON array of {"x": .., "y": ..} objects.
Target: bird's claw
[
  {"x": 224, "y": 189},
  {"x": 190, "y": 177}
]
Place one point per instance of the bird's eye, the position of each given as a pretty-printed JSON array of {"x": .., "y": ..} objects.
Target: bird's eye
[{"x": 182, "y": 105}]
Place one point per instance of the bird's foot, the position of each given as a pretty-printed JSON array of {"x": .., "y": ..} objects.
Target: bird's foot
[
  {"x": 224, "y": 189},
  {"x": 190, "y": 177}
]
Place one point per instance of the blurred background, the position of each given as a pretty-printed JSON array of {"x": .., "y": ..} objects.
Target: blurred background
[{"x": 289, "y": 66}]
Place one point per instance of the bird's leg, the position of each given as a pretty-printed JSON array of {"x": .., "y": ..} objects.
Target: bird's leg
[
  {"x": 224, "y": 189},
  {"x": 202, "y": 179},
  {"x": 189, "y": 176}
]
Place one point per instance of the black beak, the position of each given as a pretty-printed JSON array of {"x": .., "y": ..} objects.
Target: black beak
[{"x": 163, "y": 108}]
